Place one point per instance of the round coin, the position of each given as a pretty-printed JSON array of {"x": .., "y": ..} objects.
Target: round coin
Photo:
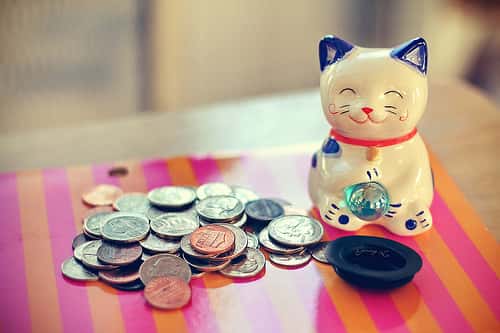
[
  {"x": 240, "y": 243},
  {"x": 125, "y": 227},
  {"x": 188, "y": 249},
  {"x": 164, "y": 265},
  {"x": 264, "y": 210},
  {"x": 172, "y": 196},
  {"x": 295, "y": 230},
  {"x": 132, "y": 203},
  {"x": 122, "y": 275},
  {"x": 205, "y": 265},
  {"x": 119, "y": 255},
  {"x": 247, "y": 265},
  {"x": 212, "y": 239},
  {"x": 132, "y": 286},
  {"x": 318, "y": 252},
  {"x": 221, "y": 208},
  {"x": 77, "y": 252},
  {"x": 274, "y": 247},
  {"x": 94, "y": 220},
  {"x": 154, "y": 211},
  {"x": 167, "y": 293},
  {"x": 72, "y": 269},
  {"x": 89, "y": 256},
  {"x": 79, "y": 240},
  {"x": 102, "y": 195},
  {"x": 213, "y": 189},
  {"x": 290, "y": 260},
  {"x": 243, "y": 194},
  {"x": 156, "y": 244},
  {"x": 174, "y": 224},
  {"x": 253, "y": 241}
]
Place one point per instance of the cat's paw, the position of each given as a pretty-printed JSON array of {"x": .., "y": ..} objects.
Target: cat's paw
[
  {"x": 415, "y": 220},
  {"x": 340, "y": 218}
]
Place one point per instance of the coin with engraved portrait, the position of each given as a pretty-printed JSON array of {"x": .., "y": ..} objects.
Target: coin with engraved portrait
[
  {"x": 244, "y": 194},
  {"x": 295, "y": 230},
  {"x": 290, "y": 260},
  {"x": 167, "y": 293},
  {"x": 240, "y": 243},
  {"x": 221, "y": 208},
  {"x": 212, "y": 239},
  {"x": 125, "y": 227},
  {"x": 155, "y": 244},
  {"x": 246, "y": 265},
  {"x": 174, "y": 224},
  {"x": 213, "y": 189},
  {"x": 119, "y": 254},
  {"x": 263, "y": 210},
  {"x": 94, "y": 220},
  {"x": 72, "y": 269},
  {"x": 272, "y": 246},
  {"x": 188, "y": 249},
  {"x": 172, "y": 196},
  {"x": 90, "y": 259},
  {"x": 164, "y": 265},
  {"x": 318, "y": 252},
  {"x": 132, "y": 203}
]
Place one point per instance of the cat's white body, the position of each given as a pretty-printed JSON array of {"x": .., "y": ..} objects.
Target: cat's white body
[{"x": 373, "y": 99}]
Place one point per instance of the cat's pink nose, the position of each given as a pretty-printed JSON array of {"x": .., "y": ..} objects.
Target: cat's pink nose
[{"x": 367, "y": 110}]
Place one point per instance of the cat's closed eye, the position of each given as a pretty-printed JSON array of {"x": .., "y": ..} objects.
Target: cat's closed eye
[
  {"x": 394, "y": 92},
  {"x": 347, "y": 90}
]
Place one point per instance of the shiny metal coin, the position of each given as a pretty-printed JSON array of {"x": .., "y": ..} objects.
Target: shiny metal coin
[
  {"x": 318, "y": 252},
  {"x": 205, "y": 265},
  {"x": 154, "y": 211},
  {"x": 164, "y": 265},
  {"x": 77, "y": 252},
  {"x": 132, "y": 203},
  {"x": 246, "y": 265},
  {"x": 156, "y": 244},
  {"x": 174, "y": 225},
  {"x": 94, "y": 220},
  {"x": 188, "y": 249},
  {"x": 240, "y": 243},
  {"x": 290, "y": 260},
  {"x": 244, "y": 194},
  {"x": 122, "y": 275},
  {"x": 102, "y": 195},
  {"x": 90, "y": 259},
  {"x": 132, "y": 286},
  {"x": 167, "y": 293},
  {"x": 79, "y": 240},
  {"x": 213, "y": 189},
  {"x": 145, "y": 256},
  {"x": 125, "y": 227},
  {"x": 172, "y": 196},
  {"x": 263, "y": 210},
  {"x": 237, "y": 223},
  {"x": 72, "y": 269},
  {"x": 119, "y": 254},
  {"x": 274, "y": 247},
  {"x": 253, "y": 241},
  {"x": 222, "y": 208},
  {"x": 295, "y": 230}
]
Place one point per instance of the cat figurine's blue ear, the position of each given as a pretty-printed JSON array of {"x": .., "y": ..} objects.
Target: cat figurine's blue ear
[
  {"x": 331, "y": 50},
  {"x": 413, "y": 53}
]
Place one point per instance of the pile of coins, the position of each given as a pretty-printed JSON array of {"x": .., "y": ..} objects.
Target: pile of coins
[{"x": 161, "y": 240}]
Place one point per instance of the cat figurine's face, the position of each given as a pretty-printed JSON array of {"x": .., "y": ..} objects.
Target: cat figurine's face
[{"x": 373, "y": 94}]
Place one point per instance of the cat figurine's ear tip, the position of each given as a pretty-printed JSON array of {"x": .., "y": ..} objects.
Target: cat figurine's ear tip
[
  {"x": 331, "y": 50},
  {"x": 414, "y": 53}
]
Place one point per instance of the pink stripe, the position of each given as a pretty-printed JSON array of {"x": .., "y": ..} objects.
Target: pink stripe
[
  {"x": 471, "y": 260},
  {"x": 137, "y": 317},
  {"x": 60, "y": 218},
  {"x": 270, "y": 178},
  {"x": 14, "y": 308}
]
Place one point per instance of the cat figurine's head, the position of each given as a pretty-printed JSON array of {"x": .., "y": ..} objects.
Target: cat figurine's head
[{"x": 373, "y": 94}]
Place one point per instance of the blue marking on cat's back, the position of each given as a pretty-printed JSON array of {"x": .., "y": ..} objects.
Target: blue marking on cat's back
[
  {"x": 314, "y": 161},
  {"x": 331, "y": 147}
]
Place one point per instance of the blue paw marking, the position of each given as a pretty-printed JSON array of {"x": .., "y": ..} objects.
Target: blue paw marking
[
  {"x": 343, "y": 219},
  {"x": 411, "y": 224},
  {"x": 314, "y": 161},
  {"x": 330, "y": 147}
]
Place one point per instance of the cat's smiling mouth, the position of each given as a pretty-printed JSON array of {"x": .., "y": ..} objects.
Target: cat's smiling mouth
[{"x": 366, "y": 119}]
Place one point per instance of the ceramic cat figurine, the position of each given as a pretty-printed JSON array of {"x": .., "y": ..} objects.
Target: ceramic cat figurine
[{"x": 374, "y": 159}]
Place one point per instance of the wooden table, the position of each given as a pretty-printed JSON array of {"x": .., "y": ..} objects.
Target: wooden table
[{"x": 461, "y": 125}]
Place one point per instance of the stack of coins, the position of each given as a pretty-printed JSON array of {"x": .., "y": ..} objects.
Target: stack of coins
[{"x": 159, "y": 241}]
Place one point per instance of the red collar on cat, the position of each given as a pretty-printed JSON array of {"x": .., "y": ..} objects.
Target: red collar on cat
[{"x": 372, "y": 143}]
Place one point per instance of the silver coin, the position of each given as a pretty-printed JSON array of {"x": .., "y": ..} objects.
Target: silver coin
[
  {"x": 253, "y": 241},
  {"x": 244, "y": 194},
  {"x": 290, "y": 260},
  {"x": 154, "y": 211},
  {"x": 237, "y": 223},
  {"x": 205, "y": 265},
  {"x": 172, "y": 196},
  {"x": 164, "y": 265},
  {"x": 77, "y": 252},
  {"x": 145, "y": 256},
  {"x": 263, "y": 210},
  {"x": 186, "y": 248},
  {"x": 222, "y": 208},
  {"x": 90, "y": 259},
  {"x": 240, "y": 243},
  {"x": 213, "y": 189},
  {"x": 174, "y": 224},
  {"x": 72, "y": 269},
  {"x": 247, "y": 265},
  {"x": 125, "y": 227},
  {"x": 295, "y": 230},
  {"x": 274, "y": 247},
  {"x": 318, "y": 252},
  {"x": 132, "y": 203},
  {"x": 156, "y": 244},
  {"x": 92, "y": 224}
]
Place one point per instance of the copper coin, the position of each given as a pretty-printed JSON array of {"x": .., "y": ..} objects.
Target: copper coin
[
  {"x": 167, "y": 293},
  {"x": 102, "y": 195},
  {"x": 119, "y": 255},
  {"x": 122, "y": 275},
  {"x": 212, "y": 239},
  {"x": 164, "y": 265}
]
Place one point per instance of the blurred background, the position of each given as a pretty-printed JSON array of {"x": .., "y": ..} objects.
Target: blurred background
[{"x": 67, "y": 62}]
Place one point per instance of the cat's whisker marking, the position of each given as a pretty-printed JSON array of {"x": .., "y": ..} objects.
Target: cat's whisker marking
[
  {"x": 390, "y": 107},
  {"x": 391, "y": 112},
  {"x": 420, "y": 213},
  {"x": 390, "y": 216},
  {"x": 344, "y": 112},
  {"x": 423, "y": 221},
  {"x": 425, "y": 226},
  {"x": 395, "y": 205},
  {"x": 335, "y": 206},
  {"x": 345, "y": 105},
  {"x": 376, "y": 172},
  {"x": 369, "y": 174},
  {"x": 328, "y": 217},
  {"x": 391, "y": 212},
  {"x": 329, "y": 211}
]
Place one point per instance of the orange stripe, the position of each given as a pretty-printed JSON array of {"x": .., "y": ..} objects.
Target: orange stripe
[
  {"x": 181, "y": 172},
  {"x": 419, "y": 319},
  {"x": 103, "y": 301},
  {"x": 42, "y": 292},
  {"x": 468, "y": 218},
  {"x": 136, "y": 182}
]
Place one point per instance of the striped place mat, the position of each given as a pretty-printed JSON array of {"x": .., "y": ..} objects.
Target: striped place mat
[{"x": 457, "y": 290}]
